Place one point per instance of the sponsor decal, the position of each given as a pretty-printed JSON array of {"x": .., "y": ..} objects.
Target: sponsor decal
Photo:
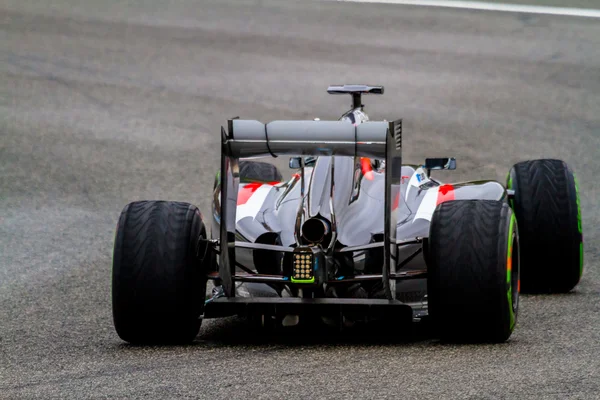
[
  {"x": 422, "y": 180},
  {"x": 417, "y": 179}
]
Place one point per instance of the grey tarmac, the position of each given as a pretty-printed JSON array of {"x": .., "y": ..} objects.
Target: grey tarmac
[{"x": 106, "y": 102}]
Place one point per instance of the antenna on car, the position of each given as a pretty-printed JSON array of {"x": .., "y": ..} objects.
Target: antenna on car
[{"x": 356, "y": 91}]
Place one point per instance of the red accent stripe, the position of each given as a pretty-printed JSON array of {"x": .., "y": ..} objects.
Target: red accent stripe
[
  {"x": 248, "y": 190},
  {"x": 366, "y": 167},
  {"x": 396, "y": 201},
  {"x": 445, "y": 193}
]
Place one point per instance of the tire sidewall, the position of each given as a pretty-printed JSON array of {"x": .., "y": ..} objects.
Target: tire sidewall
[
  {"x": 472, "y": 302},
  {"x": 538, "y": 276},
  {"x": 170, "y": 311}
]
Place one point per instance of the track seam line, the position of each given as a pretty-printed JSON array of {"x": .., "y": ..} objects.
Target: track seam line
[{"x": 479, "y": 5}]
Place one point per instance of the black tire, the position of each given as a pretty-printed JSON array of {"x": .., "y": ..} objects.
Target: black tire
[
  {"x": 546, "y": 204},
  {"x": 257, "y": 171},
  {"x": 473, "y": 271},
  {"x": 158, "y": 284}
]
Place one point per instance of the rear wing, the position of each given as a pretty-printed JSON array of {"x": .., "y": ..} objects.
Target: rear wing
[
  {"x": 249, "y": 138},
  {"x": 315, "y": 138}
]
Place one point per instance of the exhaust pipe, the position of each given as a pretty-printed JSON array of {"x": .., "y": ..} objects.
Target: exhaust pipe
[{"x": 314, "y": 230}]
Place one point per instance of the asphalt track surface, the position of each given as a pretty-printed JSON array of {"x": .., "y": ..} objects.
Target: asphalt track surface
[{"x": 103, "y": 103}]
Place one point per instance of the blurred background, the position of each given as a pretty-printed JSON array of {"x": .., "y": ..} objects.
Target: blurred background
[{"x": 107, "y": 102}]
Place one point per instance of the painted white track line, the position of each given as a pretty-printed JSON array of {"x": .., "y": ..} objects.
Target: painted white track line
[{"x": 479, "y": 5}]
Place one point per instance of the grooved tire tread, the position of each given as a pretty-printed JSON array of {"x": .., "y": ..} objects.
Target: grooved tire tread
[
  {"x": 257, "y": 171},
  {"x": 546, "y": 206},
  {"x": 158, "y": 286},
  {"x": 467, "y": 271}
]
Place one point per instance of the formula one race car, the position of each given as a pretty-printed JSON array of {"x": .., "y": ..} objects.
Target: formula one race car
[{"x": 353, "y": 236}]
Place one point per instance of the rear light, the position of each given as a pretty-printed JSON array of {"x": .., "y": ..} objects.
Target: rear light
[{"x": 303, "y": 267}]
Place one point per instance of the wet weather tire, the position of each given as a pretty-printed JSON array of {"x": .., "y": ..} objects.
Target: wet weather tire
[
  {"x": 473, "y": 271},
  {"x": 257, "y": 171},
  {"x": 158, "y": 286},
  {"x": 546, "y": 204}
]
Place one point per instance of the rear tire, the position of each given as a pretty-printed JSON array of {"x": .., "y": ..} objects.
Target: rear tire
[
  {"x": 546, "y": 204},
  {"x": 257, "y": 171},
  {"x": 473, "y": 271},
  {"x": 158, "y": 284}
]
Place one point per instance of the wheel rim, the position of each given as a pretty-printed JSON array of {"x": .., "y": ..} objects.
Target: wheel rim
[
  {"x": 515, "y": 279},
  {"x": 512, "y": 273}
]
